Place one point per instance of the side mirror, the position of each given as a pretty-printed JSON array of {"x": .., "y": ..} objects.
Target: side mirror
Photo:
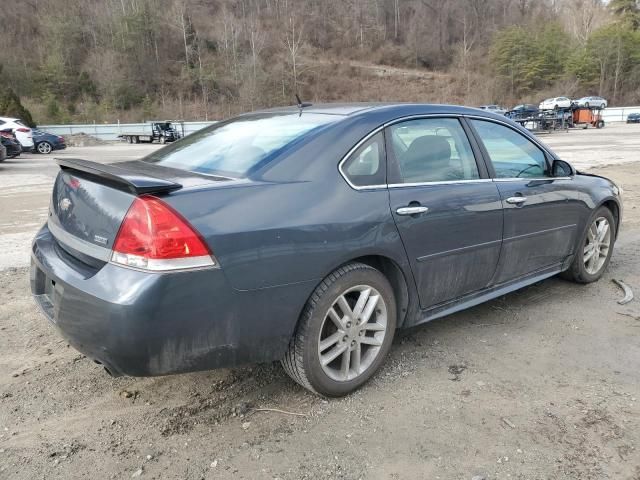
[{"x": 560, "y": 168}]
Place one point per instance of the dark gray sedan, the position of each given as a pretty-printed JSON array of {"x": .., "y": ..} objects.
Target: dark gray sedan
[{"x": 309, "y": 235}]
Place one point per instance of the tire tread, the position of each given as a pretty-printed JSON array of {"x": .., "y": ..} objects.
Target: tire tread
[{"x": 293, "y": 362}]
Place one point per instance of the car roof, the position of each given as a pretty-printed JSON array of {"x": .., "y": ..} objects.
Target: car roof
[
  {"x": 9, "y": 119},
  {"x": 393, "y": 109}
]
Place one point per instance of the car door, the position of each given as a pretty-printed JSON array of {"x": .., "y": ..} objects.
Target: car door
[
  {"x": 447, "y": 211},
  {"x": 541, "y": 212}
]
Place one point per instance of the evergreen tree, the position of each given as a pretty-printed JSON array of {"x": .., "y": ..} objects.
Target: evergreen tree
[
  {"x": 627, "y": 10},
  {"x": 10, "y": 106}
]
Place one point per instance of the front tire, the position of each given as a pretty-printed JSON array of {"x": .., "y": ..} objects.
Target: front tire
[
  {"x": 594, "y": 251},
  {"x": 344, "y": 333}
]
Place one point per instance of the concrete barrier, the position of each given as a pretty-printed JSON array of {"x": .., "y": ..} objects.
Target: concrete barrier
[{"x": 110, "y": 131}]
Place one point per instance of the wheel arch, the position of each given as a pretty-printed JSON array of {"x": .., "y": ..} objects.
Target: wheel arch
[{"x": 613, "y": 206}]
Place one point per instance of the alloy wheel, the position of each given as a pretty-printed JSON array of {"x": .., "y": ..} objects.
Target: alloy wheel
[
  {"x": 352, "y": 333},
  {"x": 44, "y": 148},
  {"x": 596, "y": 247}
]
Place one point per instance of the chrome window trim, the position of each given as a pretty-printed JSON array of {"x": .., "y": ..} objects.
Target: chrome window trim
[
  {"x": 82, "y": 246},
  {"x": 532, "y": 138},
  {"x": 530, "y": 179},
  {"x": 381, "y": 128},
  {"x": 444, "y": 182},
  {"x": 365, "y": 139}
]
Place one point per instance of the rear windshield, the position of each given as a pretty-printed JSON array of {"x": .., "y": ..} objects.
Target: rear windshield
[{"x": 238, "y": 146}]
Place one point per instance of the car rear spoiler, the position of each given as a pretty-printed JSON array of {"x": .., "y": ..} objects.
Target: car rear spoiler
[{"x": 118, "y": 177}]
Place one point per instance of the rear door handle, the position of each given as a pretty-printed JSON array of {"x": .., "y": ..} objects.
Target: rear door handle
[
  {"x": 411, "y": 210},
  {"x": 516, "y": 200}
]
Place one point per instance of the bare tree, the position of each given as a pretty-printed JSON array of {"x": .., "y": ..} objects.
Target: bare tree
[{"x": 294, "y": 39}]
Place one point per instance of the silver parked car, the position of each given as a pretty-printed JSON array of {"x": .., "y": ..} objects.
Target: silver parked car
[
  {"x": 593, "y": 102},
  {"x": 493, "y": 109}
]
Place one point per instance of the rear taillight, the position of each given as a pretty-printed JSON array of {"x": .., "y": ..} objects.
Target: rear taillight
[
  {"x": 23, "y": 130},
  {"x": 155, "y": 237}
]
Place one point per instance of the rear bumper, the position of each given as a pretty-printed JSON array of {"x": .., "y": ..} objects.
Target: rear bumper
[{"x": 147, "y": 324}]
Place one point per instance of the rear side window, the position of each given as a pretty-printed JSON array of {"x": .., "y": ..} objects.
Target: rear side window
[
  {"x": 432, "y": 150},
  {"x": 238, "y": 146},
  {"x": 366, "y": 166},
  {"x": 512, "y": 155}
]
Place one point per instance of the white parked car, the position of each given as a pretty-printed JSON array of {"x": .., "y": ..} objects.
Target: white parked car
[
  {"x": 22, "y": 132},
  {"x": 555, "y": 103},
  {"x": 493, "y": 108},
  {"x": 597, "y": 102}
]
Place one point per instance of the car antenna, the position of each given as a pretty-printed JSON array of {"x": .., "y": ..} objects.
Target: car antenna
[{"x": 302, "y": 104}]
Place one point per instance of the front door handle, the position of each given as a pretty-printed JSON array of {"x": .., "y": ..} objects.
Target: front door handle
[
  {"x": 516, "y": 200},
  {"x": 411, "y": 210}
]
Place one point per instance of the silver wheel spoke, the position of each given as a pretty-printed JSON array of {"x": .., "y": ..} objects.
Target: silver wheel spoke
[
  {"x": 360, "y": 304},
  {"x": 345, "y": 364},
  {"x": 356, "y": 354},
  {"x": 335, "y": 318},
  {"x": 374, "y": 327},
  {"x": 371, "y": 305},
  {"x": 604, "y": 228},
  {"x": 333, "y": 354},
  {"x": 344, "y": 306},
  {"x": 330, "y": 341},
  {"x": 589, "y": 254},
  {"x": 371, "y": 341}
]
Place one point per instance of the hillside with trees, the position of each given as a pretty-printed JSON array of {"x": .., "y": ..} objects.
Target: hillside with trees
[{"x": 104, "y": 60}]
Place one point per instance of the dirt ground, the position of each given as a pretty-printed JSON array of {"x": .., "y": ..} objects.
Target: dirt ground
[{"x": 543, "y": 383}]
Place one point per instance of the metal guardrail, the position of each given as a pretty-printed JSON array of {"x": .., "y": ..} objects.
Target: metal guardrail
[
  {"x": 110, "y": 131},
  {"x": 618, "y": 114}
]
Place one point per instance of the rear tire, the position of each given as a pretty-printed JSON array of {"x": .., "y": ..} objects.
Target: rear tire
[
  {"x": 344, "y": 333},
  {"x": 594, "y": 250},
  {"x": 44, "y": 147}
]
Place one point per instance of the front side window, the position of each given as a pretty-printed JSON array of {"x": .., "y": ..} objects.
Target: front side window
[
  {"x": 366, "y": 166},
  {"x": 512, "y": 154},
  {"x": 432, "y": 150},
  {"x": 239, "y": 146}
]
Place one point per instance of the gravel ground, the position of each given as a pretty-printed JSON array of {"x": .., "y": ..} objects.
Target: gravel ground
[{"x": 543, "y": 383}]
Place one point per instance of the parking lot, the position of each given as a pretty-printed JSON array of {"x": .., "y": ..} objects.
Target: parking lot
[{"x": 543, "y": 383}]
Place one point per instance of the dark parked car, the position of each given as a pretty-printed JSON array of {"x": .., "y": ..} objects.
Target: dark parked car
[
  {"x": 46, "y": 142},
  {"x": 633, "y": 118},
  {"x": 10, "y": 143},
  {"x": 310, "y": 235},
  {"x": 521, "y": 112}
]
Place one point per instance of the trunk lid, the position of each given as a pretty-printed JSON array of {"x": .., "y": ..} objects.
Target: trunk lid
[{"x": 90, "y": 200}]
